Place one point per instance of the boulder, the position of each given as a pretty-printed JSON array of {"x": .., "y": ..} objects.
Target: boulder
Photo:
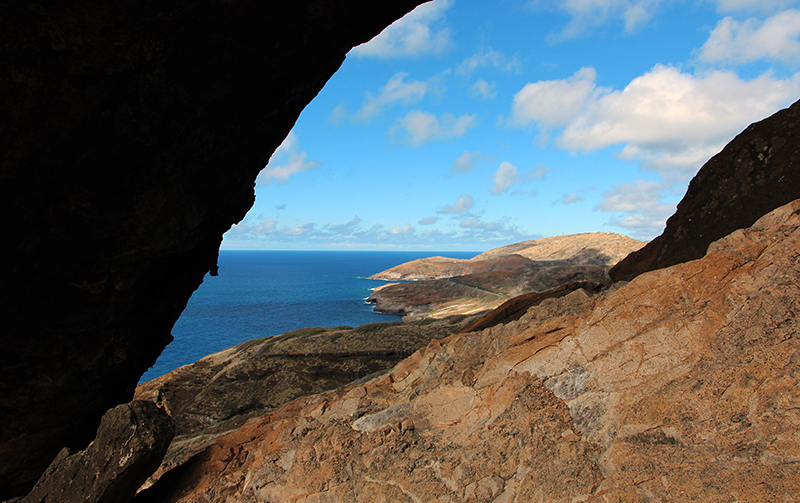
[{"x": 130, "y": 444}]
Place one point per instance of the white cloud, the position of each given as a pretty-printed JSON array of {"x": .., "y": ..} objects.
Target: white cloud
[
  {"x": 483, "y": 89},
  {"x": 463, "y": 204},
  {"x": 244, "y": 230},
  {"x": 418, "y": 128},
  {"x": 351, "y": 235},
  {"x": 585, "y": 15},
  {"x": 286, "y": 161},
  {"x": 507, "y": 175},
  {"x": 338, "y": 115},
  {"x": 645, "y": 214},
  {"x": 554, "y": 103},
  {"x": 298, "y": 230},
  {"x": 403, "y": 230},
  {"x": 775, "y": 38},
  {"x": 487, "y": 229},
  {"x": 571, "y": 198},
  {"x": 395, "y": 91},
  {"x": 670, "y": 120},
  {"x": 418, "y": 33},
  {"x": 537, "y": 173},
  {"x": 467, "y": 161},
  {"x": 761, "y": 6},
  {"x": 346, "y": 228},
  {"x": 639, "y": 196},
  {"x": 488, "y": 58}
]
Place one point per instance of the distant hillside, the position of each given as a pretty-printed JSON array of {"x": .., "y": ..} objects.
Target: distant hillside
[
  {"x": 594, "y": 248},
  {"x": 445, "y": 287},
  {"x": 601, "y": 248},
  {"x": 443, "y": 267}
]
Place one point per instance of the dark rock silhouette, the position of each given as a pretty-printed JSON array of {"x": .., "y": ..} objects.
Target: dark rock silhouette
[
  {"x": 131, "y": 134},
  {"x": 130, "y": 444},
  {"x": 756, "y": 172}
]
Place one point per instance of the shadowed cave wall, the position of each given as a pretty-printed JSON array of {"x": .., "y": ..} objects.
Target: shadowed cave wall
[{"x": 131, "y": 136}]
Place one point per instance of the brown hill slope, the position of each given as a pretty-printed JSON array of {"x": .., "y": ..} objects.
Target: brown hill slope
[
  {"x": 598, "y": 248},
  {"x": 602, "y": 248},
  {"x": 475, "y": 293},
  {"x": 681, "y": 385},
  {"x": 442, "y": 267},
  {"x": 448, "y": 286}
]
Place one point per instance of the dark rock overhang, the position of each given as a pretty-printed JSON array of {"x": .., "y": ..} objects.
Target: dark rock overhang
[{"x": 131, "y": 136}]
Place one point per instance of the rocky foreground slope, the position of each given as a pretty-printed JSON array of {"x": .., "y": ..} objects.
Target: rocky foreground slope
[{"x": 683, "y": 384}]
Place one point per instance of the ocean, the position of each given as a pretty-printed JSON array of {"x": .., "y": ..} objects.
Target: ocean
[{"x": 265, "y": 293}]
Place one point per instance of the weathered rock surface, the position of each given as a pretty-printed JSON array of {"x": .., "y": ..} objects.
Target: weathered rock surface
[
  {"x": 682, "y": 385},
  {"x": 222, "y": 390},
  {"x": 131, "y": 134},
  {"x": 130, "y": 444},
  {"x": 514, "y": 309},
  {"x": 756, "y": 172}
]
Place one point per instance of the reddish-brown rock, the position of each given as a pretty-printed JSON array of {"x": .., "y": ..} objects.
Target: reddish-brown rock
[
  {"x": 131, "y": 134},
  {"x": 682, "y": 385},
  {"x": 755, "y": 173}
]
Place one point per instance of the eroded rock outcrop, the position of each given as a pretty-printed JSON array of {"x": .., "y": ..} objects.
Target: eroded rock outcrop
[
  {"x": 755, "y": 173},
  {"x": 682, "y": 385},
  {"x": 131, "y": 134},
  {"x": 130, "y": 444}
]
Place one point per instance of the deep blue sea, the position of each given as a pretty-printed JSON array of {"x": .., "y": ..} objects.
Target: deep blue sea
[{"x": 263, "y": 293}]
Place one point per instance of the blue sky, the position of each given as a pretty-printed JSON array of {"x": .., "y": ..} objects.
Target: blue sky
[{"x": 472, "y": 124}]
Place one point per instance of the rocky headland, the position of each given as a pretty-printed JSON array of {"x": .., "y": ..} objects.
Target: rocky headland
[{"x": 445, "y": 287}]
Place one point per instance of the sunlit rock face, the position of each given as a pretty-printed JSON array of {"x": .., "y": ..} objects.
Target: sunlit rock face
[
  {"x": 131, "y": 135},
  {"x": 755, "y": 173}
]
